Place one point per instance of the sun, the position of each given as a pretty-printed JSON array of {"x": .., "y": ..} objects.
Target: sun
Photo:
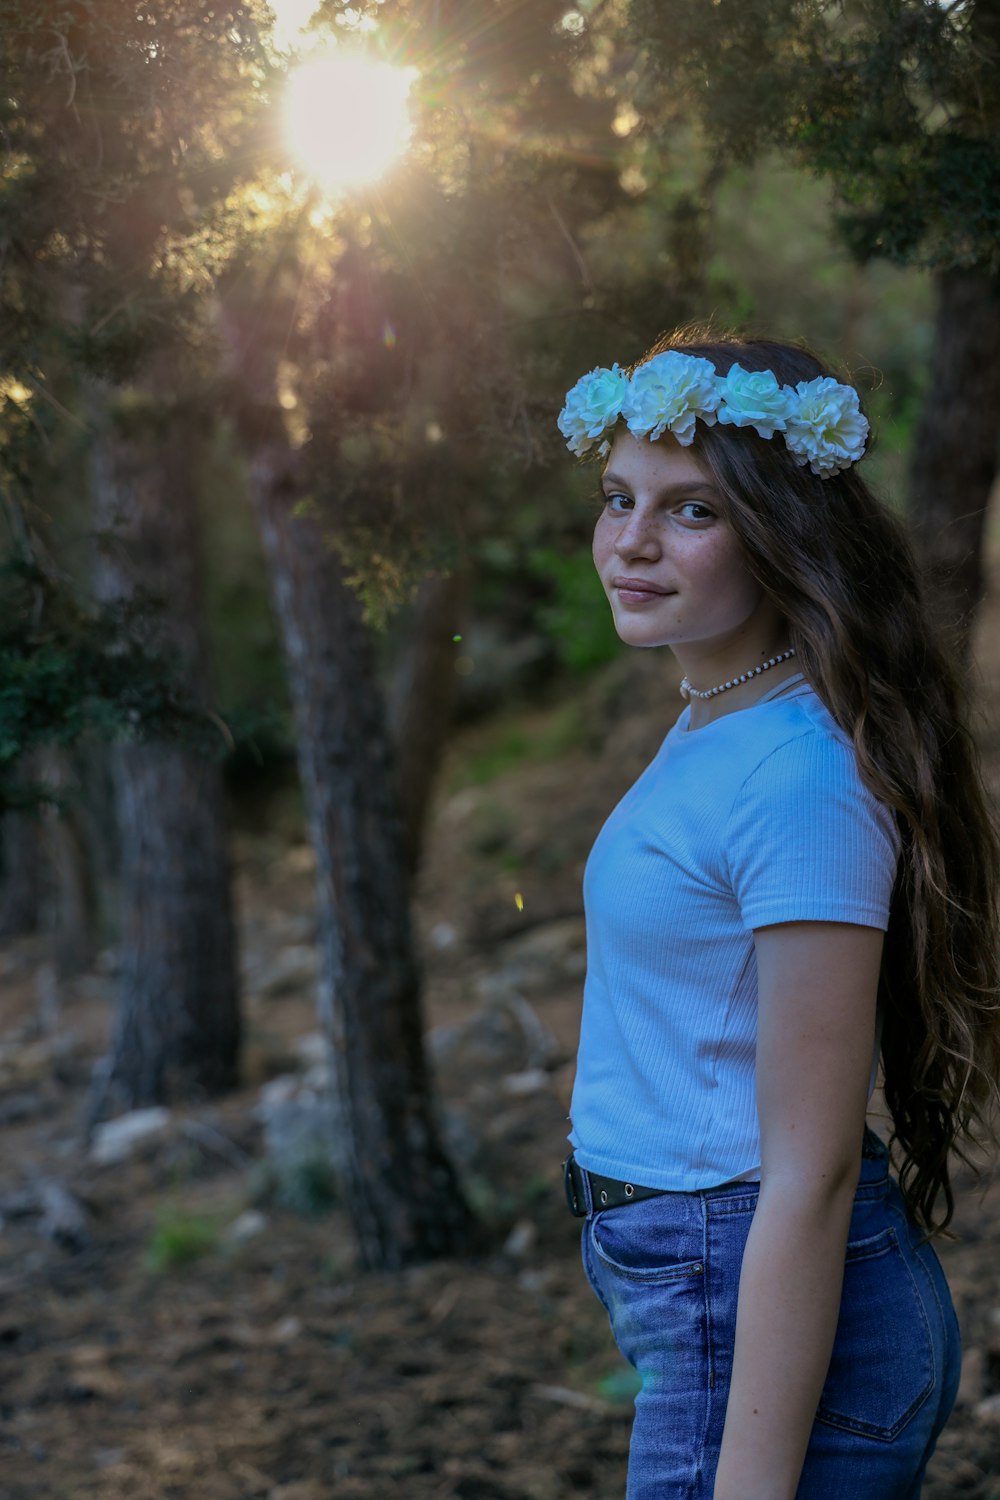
[{"x": 346, "y": 118}]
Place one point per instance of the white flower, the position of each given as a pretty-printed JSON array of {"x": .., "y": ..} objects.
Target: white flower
[
  {"x": 670, "y": 391},
  {"x": 592, "y": 407},
  {"x": 753, "y": 398},
  {"x": 821, "y": 420},
  {"x": 826, "y": 427}
]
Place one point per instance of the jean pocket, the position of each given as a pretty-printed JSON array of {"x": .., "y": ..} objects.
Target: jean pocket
[
  {"x": 638, "y": 1243},
  {"x": 882, "y": 1368}
]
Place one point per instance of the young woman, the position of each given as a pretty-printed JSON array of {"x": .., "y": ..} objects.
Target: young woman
[{"x": 803, "y": 880}]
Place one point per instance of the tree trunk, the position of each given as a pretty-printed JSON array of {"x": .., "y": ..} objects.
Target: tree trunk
[
  {"x": 423, "y": 690},
  {"x": 397, "y": 1182},
  {"x": 176, "y": 1027},
  {"x": 954, "y": 462},
  {"x": 73, "y": 921}
]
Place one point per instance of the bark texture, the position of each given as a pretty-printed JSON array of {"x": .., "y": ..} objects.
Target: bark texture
[
  {"x": 954, "y": 463},
  {"x": 398, "y": 1184},
  {"x": 73, "y": 921},
  {"x": 176, "y": 1029}
]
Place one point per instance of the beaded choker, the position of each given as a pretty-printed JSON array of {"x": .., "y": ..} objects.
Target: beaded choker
[{"x": 688, "y": 692}]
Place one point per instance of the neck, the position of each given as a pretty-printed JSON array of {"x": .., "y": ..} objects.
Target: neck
[{"x": 712, "y": 670}]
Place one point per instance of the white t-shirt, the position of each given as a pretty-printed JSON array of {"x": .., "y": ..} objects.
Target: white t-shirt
[{"x": 756, "y": 818}]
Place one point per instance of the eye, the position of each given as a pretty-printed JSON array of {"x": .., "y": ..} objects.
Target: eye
[
  {"x": 617, "y": 503},
  {"x": 695, "y": 510}
]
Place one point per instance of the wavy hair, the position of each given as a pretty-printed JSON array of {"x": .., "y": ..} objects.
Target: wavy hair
[{"x": 841, "y": 570}]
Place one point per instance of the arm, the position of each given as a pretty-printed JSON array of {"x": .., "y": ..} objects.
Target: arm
[{"x": 817, "y": 984}]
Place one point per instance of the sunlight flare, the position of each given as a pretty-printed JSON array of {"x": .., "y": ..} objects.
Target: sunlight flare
[{"x": 347, "y": 118}]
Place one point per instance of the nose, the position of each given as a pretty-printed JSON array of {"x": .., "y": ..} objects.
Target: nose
[{"x": 638, "y": 536}]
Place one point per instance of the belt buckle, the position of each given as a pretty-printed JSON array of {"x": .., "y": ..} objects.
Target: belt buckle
[{"x": 571, "y": 1172}]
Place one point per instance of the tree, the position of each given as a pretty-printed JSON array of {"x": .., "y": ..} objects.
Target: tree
[
  {"x": 897, "y": 104},
  {"x": 391, "y": 365},
  {"x": 118, "y": 122},
  {"x": 177, "y": 1022},
  {"x": 379, "y": 397},
  {"x": 404, "y": 1199},
  {"x": 70, "y": 675}
]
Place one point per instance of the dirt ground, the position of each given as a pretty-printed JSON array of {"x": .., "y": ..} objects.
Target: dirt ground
[{"x": 266, "y": 1367}]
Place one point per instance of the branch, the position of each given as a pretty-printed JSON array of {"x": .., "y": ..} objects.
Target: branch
[
  {"x": 71, "y": 71},
  {"x": 585, "y": 276}
]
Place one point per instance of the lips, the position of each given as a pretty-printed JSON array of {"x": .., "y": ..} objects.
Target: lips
[{"x": 638, "y": 586}]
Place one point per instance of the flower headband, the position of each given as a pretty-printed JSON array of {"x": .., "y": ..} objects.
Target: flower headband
[{"x": 820, "y": 420}]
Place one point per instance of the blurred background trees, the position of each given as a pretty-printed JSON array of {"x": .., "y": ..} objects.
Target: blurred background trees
[
  {"x": 121, "y": 126},
  {"x": 280, "y": 477},
  {"x": 897, "y": 105}
]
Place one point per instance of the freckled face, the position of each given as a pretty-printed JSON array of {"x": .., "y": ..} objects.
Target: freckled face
[{"x": 670, "y": 565}]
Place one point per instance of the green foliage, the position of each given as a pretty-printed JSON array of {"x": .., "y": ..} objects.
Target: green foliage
[
  {"x": 576, "y": 616},
  {"x": 303, "y": 1183},
  {"x": 776, "y": 266},
  {"x": 126, "y": 132},
  {"x": 511, "y": 747},
  {"x": 419, "y": 337},
  {"x": 121, "y": 123},
  {"x": 564, "y": 199},
  {"x": 425, "y": 332},
  {"x": 180, "y": 1239},
  {"x": 777, "y": 269},
  {"x": 310, "y": 1188},
  {"x": 535, "y": 739},
  {"x": 895, "y": 102},
  {"x": 65, "y": 672}
]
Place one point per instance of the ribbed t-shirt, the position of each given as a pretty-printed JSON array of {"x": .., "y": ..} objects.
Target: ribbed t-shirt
[{"x": 758, "y": 817}]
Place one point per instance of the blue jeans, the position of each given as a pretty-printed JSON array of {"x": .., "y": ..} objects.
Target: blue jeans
[{"x": 667, "y": 1271}]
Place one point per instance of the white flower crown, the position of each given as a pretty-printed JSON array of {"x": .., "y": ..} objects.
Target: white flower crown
[{"x": 820, "y": 420}]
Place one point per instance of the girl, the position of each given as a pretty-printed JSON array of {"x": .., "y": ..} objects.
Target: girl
[{"x": 802, "y": 881}]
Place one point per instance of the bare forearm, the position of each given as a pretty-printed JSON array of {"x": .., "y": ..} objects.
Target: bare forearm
[{"x": 789, "y": 1301}]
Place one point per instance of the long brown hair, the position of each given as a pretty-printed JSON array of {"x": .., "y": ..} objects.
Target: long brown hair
[{"x": 840, "y": 568}]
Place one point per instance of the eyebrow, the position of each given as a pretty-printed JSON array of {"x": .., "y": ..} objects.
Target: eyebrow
[{"x": 683, "y": 487}]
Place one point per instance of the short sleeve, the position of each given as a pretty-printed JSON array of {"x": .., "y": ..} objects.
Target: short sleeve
[{"x": 808, "y": 842}]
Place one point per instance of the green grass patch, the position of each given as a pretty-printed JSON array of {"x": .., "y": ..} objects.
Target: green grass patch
[
  {"x": 511, "y": 748},
  {"x": 180, "y": 1239},
  {"x": 546, "y": 738}
]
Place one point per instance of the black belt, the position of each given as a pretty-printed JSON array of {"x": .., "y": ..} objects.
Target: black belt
[
  {"x": 605, "y": 1192},
  {"x": 609, "y": 1192}
]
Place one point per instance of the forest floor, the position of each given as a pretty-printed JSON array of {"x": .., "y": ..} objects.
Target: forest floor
[{"x": 181, "y": 1326}]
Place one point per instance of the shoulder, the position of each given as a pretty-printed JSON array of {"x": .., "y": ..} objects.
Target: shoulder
[
  {"x": 810, "y": 747},
  {"x": 807, "y": 840},
  {"x": 796, "y": 744}
]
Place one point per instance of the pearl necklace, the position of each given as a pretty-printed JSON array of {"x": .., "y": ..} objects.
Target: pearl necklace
[{"x": 687, "y": 691}]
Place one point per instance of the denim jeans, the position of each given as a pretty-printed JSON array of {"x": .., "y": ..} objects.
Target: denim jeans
[{"x": 667, "y": 1271}]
